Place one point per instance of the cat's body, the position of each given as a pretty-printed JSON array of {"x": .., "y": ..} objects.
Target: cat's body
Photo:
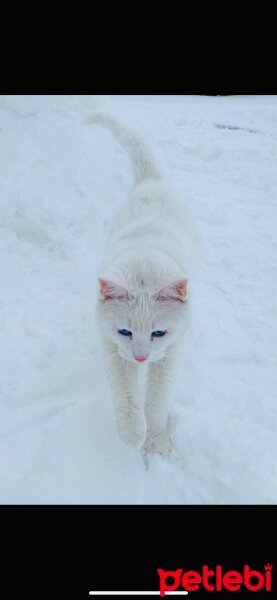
[{"x": 143, "y": 310}]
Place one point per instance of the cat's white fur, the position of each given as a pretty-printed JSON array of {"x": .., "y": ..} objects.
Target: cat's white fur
[{"x": 143, "y": 287}]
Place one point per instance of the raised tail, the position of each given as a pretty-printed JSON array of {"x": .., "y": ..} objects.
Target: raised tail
[{"x": 144, "y": 164}]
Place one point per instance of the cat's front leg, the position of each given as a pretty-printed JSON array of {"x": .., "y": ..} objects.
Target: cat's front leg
[
  {"x": 160, "y": 390},
  {"x": 123, "y": 377}
]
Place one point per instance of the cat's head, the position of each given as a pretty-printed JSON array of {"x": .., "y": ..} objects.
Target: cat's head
[{"x": 142, "y": 316}]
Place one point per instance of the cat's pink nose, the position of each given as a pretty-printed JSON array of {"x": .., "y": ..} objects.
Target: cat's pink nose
[{"x": 141, "y": 358}]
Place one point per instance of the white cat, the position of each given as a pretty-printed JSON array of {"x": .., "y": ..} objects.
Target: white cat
[{"x": 143, "y": 307}]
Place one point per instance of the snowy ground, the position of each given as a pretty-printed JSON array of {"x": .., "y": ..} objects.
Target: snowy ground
[{"x": 61, "y": 184}]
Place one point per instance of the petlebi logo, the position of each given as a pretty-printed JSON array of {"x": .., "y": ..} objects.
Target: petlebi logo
[
  {"x": 215, "y": 580},
  {"x": 181, "y": 582}
]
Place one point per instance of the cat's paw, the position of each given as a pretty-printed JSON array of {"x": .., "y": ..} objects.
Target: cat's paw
[
  {"x": 131, "y": 426},
  {"x": 158, "y": 441}
]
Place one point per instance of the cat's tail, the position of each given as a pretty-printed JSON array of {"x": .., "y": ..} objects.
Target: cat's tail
[{"x": 144, "y": 164}]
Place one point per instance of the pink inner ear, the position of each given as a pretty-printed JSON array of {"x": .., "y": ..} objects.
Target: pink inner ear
[
  {"x": 182, "y": 287},
  {"x": 110, "y": 289},
  {"x": 174, "y": 291}
]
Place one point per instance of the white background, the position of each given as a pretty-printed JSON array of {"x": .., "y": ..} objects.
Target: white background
[{"x": 60, "y": 185}]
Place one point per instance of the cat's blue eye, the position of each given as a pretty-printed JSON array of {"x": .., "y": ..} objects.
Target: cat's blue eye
[
  {"x": 158, "y": 333},
  {"x": 125, "y": 332}
]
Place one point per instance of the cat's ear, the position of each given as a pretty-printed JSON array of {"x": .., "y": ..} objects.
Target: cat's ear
[
  {"x": 177, "y": 290},
  {"x": 111, "y": 290}
]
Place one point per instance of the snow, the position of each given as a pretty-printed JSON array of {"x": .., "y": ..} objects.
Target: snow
[{"x": 61, "y": 185}]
